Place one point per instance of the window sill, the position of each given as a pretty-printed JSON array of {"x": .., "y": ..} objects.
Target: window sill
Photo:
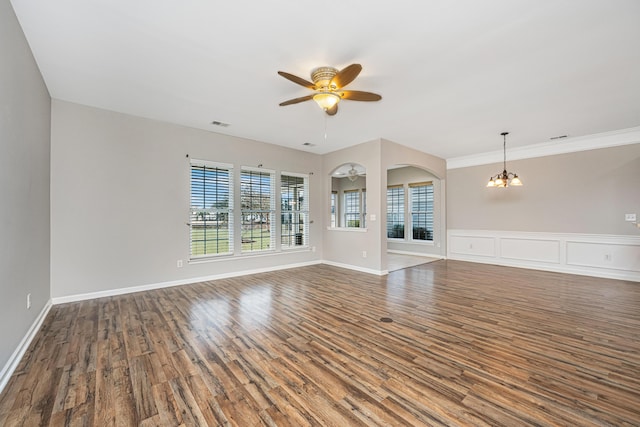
[
  {"x": 356, "y": 229},
  {"x": 246, "y": 255}
]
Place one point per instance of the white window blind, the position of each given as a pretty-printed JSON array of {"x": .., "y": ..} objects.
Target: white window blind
[
  {"x": 294, "y": 203},
  {"x": 211, "y": 213},
  {"x": 421, "y": 210},
  {"x": 257, "y": 199}
]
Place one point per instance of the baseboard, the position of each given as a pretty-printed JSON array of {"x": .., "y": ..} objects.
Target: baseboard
[
  {"x": 9, "y": 368},
  {"x": 181, "y": 282},
  {"x": 422, "y": 254},
  {"x": 607, "y": 256},
  {"x": 356, "y": 268}
]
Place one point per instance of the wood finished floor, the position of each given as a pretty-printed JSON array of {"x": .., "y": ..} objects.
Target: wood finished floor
[{"x": 470, "y": 344}]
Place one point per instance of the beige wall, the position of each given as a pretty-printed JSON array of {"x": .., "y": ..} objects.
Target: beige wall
[
  {"x": 582, "y": 192},
  {"x": 25, "y": 115},
  {"x": 346, "y": 246},
  {"x": 120, "y": 199}
]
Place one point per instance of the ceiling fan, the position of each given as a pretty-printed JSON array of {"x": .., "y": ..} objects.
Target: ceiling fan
[{"x": 327, "y": 85}]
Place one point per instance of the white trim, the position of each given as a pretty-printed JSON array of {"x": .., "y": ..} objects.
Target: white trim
[
  {"x": 550, "y": 148},
  {"x": 356, "y": 268},
  {"x": 180, "y": 282},
  {"x": 598, "y": 255},
  {"x": 422, "y": 254},
  {"x": 210, "y": 164},
  {"x": 9, "y": 368},
  {"x": 356, "y": 229}
]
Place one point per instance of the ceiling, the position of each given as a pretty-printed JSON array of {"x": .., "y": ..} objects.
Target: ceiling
[{"x": 452, "y": 74}]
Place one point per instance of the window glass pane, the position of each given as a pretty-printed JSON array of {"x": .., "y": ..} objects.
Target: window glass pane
[
  {"x": 422, "y": 212},
  {"x": 210, "y": 221},
  {"x": 257, "y": 210},
  {"x": 395, "y": 213},
  {"x": 334, "y": 208},
  {"x": 352, "y": 208},
  {"x": 294, "y": 208}
]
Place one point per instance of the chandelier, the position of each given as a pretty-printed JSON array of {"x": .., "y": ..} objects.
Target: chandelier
[{"x": 504, "y": 178}]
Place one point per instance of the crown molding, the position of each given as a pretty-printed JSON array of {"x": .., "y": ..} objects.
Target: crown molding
[{"x": 570, "y": 145}]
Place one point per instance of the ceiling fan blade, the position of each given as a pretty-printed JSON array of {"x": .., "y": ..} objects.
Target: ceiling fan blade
[
  {"x": 358, "y": 95},
  {"x": 298, "y": 80},
  {"x": 333, "y": 110},
  {"x": 346, "y": 76},
  {"x": 296, "y": 100}
]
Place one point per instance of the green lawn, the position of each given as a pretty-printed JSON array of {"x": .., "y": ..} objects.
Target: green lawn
[{"x": 209, "y": 240}]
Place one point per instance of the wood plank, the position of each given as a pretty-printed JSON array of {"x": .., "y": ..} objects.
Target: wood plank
[{"x": 470, "y": 344}]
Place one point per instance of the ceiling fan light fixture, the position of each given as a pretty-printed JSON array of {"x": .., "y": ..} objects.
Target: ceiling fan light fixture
[
  {"x": 326, "y": 100},
  {"x": 352, "y": 174}
]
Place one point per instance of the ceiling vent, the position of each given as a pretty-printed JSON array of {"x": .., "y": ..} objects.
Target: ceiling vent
[
  {"x": 553, "y": 138},
  {"x": 221, "y": 124}
]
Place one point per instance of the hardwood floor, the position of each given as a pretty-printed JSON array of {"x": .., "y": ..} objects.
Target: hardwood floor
[{"x": 470, "y": 344}]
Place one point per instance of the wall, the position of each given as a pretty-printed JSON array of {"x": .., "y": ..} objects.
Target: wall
[
  {"x": 568, "y": 216},
  {"x": 346, "y": 247},
  {"x": 120, "y": 201},
  {"x": 25, "y": 115},
  {"x": 404, "y": 176},
  {"x": 393, "y": 154}
]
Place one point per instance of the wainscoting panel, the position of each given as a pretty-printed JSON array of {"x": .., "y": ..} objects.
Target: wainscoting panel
[
  {"x": 611, "y": 256},
  {"x": 472, "y": 245},
  {"x": 530, "y": 249}
]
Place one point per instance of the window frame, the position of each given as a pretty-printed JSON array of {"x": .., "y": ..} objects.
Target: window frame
[
  {"x": 428, "y": 203},
  {"x": 302, "y": 211},
  {"x": 253, "y": 213},
  {"x": 347, "y": 208},
  {"x": 194, "y": 164},
  {"x": 393, "y": 209}
]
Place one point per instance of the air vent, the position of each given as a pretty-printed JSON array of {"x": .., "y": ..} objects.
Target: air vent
[
  {"x": 308, "y": 144},
  {"x": 558, "y": 137},
  {"x": 221, "y": 124}
]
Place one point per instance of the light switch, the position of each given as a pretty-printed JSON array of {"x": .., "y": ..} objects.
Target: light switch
[
  {"x": 630, "y": 217},
  {"x": 372, "y": 217}
]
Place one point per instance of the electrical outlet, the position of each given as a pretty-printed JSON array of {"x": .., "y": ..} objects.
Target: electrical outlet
[
  {"x": 630, "y": 217},
  {"x": 364, "y": 254},
  {"x": 179, "y": 263},
  {"x": 607, "y": 257},
  {"x": 28, "y": 301},
  {"x": 372, "y": 217}
]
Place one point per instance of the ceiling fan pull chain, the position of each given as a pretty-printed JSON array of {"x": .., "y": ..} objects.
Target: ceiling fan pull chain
[{"x": 325, "y": 128}]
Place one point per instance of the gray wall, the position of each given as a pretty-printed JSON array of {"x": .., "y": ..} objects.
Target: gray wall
[
  {"x": 25, "y": 117},
  {"x": 120, "y": 199},
  {"x": 582, "y": 192}
]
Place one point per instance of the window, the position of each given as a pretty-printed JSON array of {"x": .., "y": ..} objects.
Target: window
[
  {"x": 257, "y": 200},
  {"x": 422, "y": 210},
  {"x": 395, "y": 212},
  {"x": 211, "y": 218},
  {"x": 294, "y": 210},
  {"x": 364, "y": 207},
  {"x": 352, "y": 208},
  {"x": 334, "y": 208}
]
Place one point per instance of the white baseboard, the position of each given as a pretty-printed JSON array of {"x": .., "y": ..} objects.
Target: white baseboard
[
  {"x": 9, "y": 368},
  {"x": 422, "y": 254},
  {"x": 132, "y": 289},
  {"x": 598, "y": 255},
  {"x": 356, "y": 268}
]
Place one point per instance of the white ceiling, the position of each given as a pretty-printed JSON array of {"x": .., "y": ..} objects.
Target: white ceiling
[{"x": 452, "y": 74}]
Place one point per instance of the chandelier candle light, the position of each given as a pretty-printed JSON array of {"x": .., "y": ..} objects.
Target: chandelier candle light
[{"x": 504, "y": 178}]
